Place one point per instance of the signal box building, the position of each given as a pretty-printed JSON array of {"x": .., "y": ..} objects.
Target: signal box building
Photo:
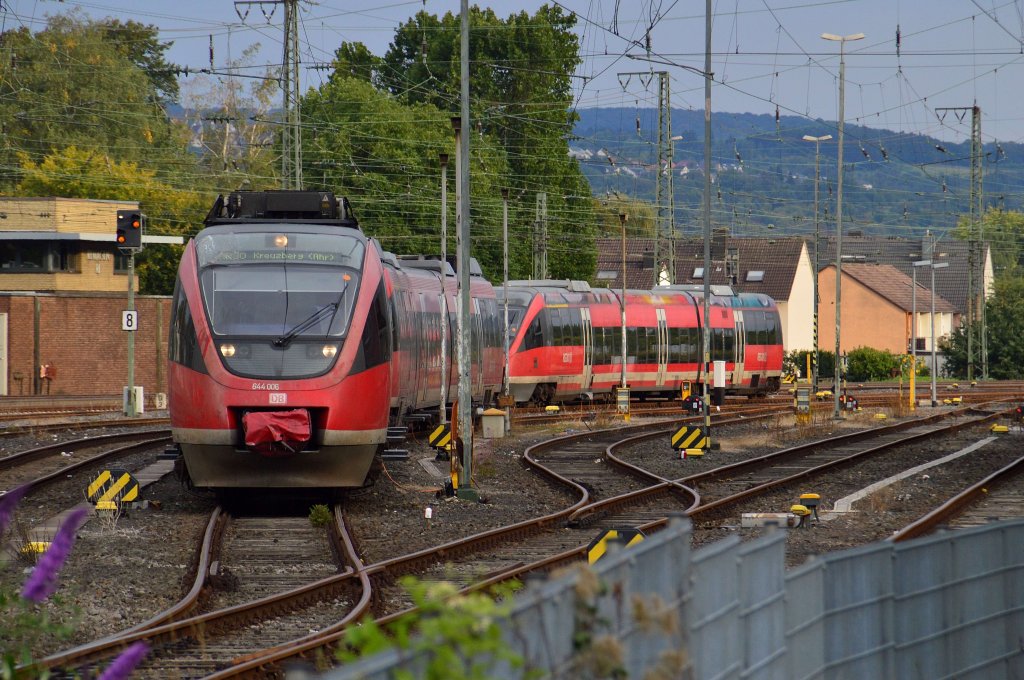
[{"x": 63, "y": 291}]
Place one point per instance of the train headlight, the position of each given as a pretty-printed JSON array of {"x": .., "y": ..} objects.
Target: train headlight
[
  {"x": 227, "y": 350},
  {"x": 281, "y": 240},
  {"x": 329, "y": 351}
]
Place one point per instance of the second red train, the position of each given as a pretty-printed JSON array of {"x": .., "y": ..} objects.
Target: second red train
[{"x": 566, "y": 341}]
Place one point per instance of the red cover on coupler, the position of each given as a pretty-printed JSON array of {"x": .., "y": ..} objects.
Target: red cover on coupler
[{"x": 276, "y": 433}]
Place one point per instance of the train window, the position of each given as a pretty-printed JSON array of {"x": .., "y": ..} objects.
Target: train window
[
  {"x": 652, "y": 345},
  {"x": 534, "y": 334},
  {"x": 576, "y": 324},
  {"x": 515, "y": 317},
  {"x": 723, "y": 344},
  {"x": 614, "y": 336},
  {"x": 274, "y": 299},
  {"x": 555, "y": 322},
  {"x": 376, "y": 345},
  {"x": 774, "y": 325},
  {"x": 183, "y": 344}
]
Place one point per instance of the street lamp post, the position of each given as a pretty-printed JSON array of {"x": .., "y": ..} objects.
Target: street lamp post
[
  {"x": 504, "y": 238},
  {"x": 817, "y": 176},
  {"x": 935, "y": 265},
  {"x": 842, "y": 39},
  {"x": 913, "y": 314},
  {"x": 622, "y": 302}
]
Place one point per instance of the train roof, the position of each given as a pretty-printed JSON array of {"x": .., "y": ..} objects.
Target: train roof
[
  {"x": 721, "y": 291},
  {"x": 277, "y": 206},
  {"x": 433, "y": 263}
]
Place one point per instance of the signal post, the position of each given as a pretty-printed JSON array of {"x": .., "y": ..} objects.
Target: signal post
[{"x": 130, "y": 224}]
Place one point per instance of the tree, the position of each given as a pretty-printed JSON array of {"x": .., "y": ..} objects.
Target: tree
[
  {"x": 233, "y": 127},
  {"x": 383, "y": 155},
  {"x": 520, "y": 84},
  {"x": 139, "y": 44},
  {"x": 1004, "y": 232},
  {"x": 75, "y": 83},
  {"x": 1004, "y": 314},
  {"x": 355, "y": 60}
]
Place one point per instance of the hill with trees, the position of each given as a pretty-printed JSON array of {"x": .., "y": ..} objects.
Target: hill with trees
[{"x": 763, "y": 171}]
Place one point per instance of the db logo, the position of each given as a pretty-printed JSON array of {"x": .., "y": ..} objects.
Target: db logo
[{"x": 278, "y": 398}]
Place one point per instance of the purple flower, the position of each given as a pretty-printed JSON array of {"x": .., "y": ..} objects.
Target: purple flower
[
  {"x": 43, "y": 580},
  {"x": 126, "y": 662},
  {"x": 7, "y": 503}
]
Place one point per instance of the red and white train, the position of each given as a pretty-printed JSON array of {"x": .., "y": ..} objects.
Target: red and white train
[
  {"x": 296, "y": 342},
  {"x": 566, "y": 340}
]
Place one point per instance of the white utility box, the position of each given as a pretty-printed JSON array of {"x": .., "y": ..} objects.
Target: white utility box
[{"x": 493, "y": 423}]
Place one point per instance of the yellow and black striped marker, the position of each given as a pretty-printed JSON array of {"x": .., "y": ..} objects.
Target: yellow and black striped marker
[
  {"x": 441, "y": 437},
  {"x": 116, "y": 486},
  {"x": 599, "y": 546},
  {"x": 690, "y": 437}
]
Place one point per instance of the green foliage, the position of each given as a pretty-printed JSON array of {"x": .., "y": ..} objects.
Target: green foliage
[
  {"x": 522, "y": 97},
  {"x": 320, "y": 515},
  {"x": 67, "y": 87},
  {"x": 1004, "y": 230},
  {"x": 24, "y": 626},
  {"x": 458, "y": 637},
  {"x": 796, "y": 360},
  {"x": 1004, "y": 321},
  {"x": 867, "y": 363},
  {"x": 355, "y": 60},
  {"x": 383, "y": 155}
]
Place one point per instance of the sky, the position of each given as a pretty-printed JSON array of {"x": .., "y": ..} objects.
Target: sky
[{"x": 767, "y": 55}]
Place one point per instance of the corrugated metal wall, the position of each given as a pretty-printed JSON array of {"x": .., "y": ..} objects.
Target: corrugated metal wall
[{"x": 945, "y": 606}]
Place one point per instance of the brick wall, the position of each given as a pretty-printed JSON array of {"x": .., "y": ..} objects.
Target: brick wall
[{"x": 80, "y": 336}]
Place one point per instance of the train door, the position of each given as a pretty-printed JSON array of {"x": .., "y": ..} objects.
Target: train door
[
  {"x": 741, "y": 347},
  {"x": 662, "y": 346},
  {"x": 588, "y": 349},
  {"x": 476, "y": 353}
]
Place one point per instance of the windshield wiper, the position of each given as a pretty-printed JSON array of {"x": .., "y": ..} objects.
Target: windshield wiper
[
  {"x": 306, "y": 323},
  {"x": 312, "y": 319}
]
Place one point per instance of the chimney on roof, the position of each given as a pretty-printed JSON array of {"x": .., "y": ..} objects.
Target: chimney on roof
[
  {"x": 927, "y": 245},
  {"x": 719, "y": 236},
  {"x": 732, "y": 265}
]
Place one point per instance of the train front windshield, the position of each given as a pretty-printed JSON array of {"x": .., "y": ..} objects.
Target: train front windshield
[{"x": 282, "y": 284}]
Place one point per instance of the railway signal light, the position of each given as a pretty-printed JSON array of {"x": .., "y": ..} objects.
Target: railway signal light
[{"x": 129, "y": 228}]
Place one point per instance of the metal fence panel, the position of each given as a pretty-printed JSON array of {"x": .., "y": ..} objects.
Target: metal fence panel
[
  {"x": 946, "y": 606},
  {"x": 858, "y": 596},
  {"x": 921, "y": 572},
  {"x": 644, "y": 587},
  {"x": 805, "y": 621},
  {"x": 1013, "y": 591},
  {"x": 713, "y": 609},
  {"x": 762, "y": 567}
]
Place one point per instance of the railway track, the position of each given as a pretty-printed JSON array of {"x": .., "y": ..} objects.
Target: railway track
[
  {"x": 604, "y": 499},
  {"x": 68, "y": 462},
  {"x": 277, "y": 581},
  {"x": 998, "y": 496}
]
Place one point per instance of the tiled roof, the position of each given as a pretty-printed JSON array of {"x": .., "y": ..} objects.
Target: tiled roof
[
  {"x": 950, "y": 283},
  {"x": 895, "y": 286},
  {"x": 776, "y": 260}
]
